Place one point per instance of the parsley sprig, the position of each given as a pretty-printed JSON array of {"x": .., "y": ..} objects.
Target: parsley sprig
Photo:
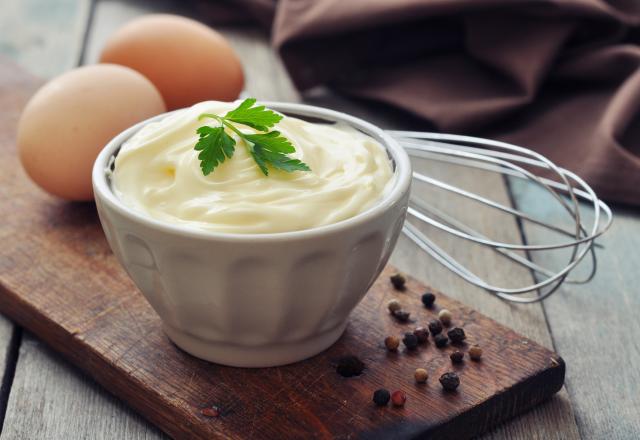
[{"x": 268, "y": 149}]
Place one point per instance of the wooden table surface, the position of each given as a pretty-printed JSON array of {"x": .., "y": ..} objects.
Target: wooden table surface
[{"x": 594, "y": 326}]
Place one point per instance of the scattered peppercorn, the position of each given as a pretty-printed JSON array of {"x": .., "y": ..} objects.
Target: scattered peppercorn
[
  {"x": 422, "y": 334},
  {"x": 398, "y": 398},
  {"x": 392, "y": 343},
  {"x": 421, "y": 375},
  {"x": 457, "y": 357},
  {"x": 475, "y": 353},
  {"x": 349, "y": 366},
  {"x": 410, "y": 341},
  {"x": 435, "y": 327},
  {"x": 210, "y": 411},
  {"x": 441, "y": 340},
  {"x": 444, "y": 316},
  {"x": 456, "y": 335},
  {"x": 449, "y": 381},
  {"x": 394, "y": 305},
  {"x": 398, "y": 280},
  {"x": 401, "y": 315},
  {"x": 381, "y": 397},
  {"x": 428, "y": 299}
]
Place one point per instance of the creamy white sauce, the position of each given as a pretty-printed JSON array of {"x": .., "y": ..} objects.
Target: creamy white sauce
[{"x": 157, "y": 172}]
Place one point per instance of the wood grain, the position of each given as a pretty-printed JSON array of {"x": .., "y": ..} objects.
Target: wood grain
[
  {"x": 47, "y": 43},
  {"x": 266, "y": 79},
  {"x": 595, "y": 326},
  {"x": 101, "y": 323}
]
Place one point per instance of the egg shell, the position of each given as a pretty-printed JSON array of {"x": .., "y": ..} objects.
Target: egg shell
[
  {"x": 186, "y": 60},
  {"x": 72, "y": 117}
]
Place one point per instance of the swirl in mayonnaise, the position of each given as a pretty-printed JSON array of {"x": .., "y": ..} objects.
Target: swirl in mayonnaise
[{"x": 157, "y": 172}]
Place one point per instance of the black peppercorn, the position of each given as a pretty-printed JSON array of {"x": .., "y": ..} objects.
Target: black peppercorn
[
  {"x": 457, "y": 357},
  {"x": 456, "y": 335},
  {"x": 410, "y": 341},
  {"x": 435, "y": 327},
  {"x": 349, "y": 366},
  {"x": 449, "y": 381},
  {"x": 381, "y": 397},
  {"x": 401, "y": 315},
  {"x": 428, "y": 299},
  {"x": 441, "y": 340},
  {"x": 422, "y": 334},
  {"x": 398, "y": 280}
]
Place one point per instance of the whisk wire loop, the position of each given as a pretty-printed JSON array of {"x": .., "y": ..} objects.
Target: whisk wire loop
[{"x": 504, "y": 159}]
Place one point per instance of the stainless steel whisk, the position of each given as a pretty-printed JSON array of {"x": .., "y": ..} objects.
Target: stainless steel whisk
[{"x": 510, "y": 160}]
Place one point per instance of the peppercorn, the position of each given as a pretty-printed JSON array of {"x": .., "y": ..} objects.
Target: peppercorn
[
  {"x": 401, "y": 315},
  {"x": 456, "y": 335},
  {"x": 398, "y": 280},
  {"x": 428, "y": 299},
  {"x": 449, "y": 381},
  {"x": 475, "y": 353},
  {"x": 392, "y": 343},
  {"x": 422, "y": 334},
  {"x": 210, "y": 411},
  {"x": 435, "y": 327},
  {"x": 441, "y": 340},
  {"x": 398, "y": 398},
  {"x": 349, "y": 366},
  {"x": 421, "y": 375},
  {"x": 444, "y": 316},
  {"x": 394, "y": 305},
  {"x": 381, "y": 397},
  {"x": 457, "y": 357},
  {"x": 410, "y": 341}
]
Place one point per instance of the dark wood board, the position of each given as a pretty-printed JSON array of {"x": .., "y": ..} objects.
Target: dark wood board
[{"x": 59, "y": 279}]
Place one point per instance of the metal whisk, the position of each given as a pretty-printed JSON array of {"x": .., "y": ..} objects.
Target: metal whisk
[{"x": 510, "y": 160}]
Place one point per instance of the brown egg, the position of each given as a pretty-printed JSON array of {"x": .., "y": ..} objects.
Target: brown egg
[
  {"x": 69, "y": 120},
  {"x": 186, "y": 60}
]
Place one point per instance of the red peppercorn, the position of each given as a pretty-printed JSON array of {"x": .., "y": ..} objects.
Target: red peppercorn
[
  {"x": 210, "y": 411},
  {"x": 398, "y": 398}
]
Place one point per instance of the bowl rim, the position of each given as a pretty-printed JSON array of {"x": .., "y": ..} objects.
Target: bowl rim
[{"x": 402, "y": 180}]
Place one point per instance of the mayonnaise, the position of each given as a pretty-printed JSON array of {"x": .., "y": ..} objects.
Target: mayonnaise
[{"x": 157, "y": 172}]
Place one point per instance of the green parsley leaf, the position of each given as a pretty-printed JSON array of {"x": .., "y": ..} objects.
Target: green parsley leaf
[
  {"x": 277, "y": 160},
  {"x": 215, "y": 145},
  {"x": 271, "y": 148},
  {"x": 273, "y": 141},
  {"x": 268, "y": 149},
  {"x": 257, "y": 117}
]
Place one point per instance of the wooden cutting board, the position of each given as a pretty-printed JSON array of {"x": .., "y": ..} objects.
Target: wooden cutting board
[{"x": 59, "y": 279}]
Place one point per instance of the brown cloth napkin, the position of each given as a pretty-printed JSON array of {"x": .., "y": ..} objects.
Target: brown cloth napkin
[{"x": 558, "y": 76}]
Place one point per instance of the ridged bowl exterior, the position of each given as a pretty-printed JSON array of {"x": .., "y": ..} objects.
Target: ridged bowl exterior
[{"x": 253, "y": 301}]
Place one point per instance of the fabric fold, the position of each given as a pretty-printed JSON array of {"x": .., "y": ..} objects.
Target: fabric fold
[{"x": 557, "y": 76}]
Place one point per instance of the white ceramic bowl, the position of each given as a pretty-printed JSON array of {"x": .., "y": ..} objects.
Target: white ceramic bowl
[{"x": 255, "y": 300}]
